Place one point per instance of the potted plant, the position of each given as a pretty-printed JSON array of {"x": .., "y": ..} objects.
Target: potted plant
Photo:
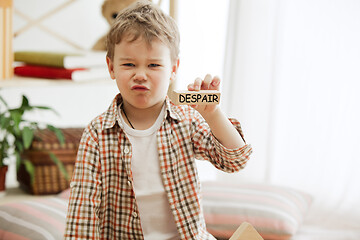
[{"x": 16, "y": 135}]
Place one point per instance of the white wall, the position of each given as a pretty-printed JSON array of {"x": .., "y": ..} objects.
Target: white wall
[
  {"x": 248, "y": 80},
  {"x": 202, "y": 29},
  {"x": 79, "y": 23}
]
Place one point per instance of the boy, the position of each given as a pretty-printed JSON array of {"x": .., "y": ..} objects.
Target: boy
[{"x": 135, "y": 176}]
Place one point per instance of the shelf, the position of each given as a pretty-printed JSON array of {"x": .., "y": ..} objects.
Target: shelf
[{"x": 37, "y": 82}]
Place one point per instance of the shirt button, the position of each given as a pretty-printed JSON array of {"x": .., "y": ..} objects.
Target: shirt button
[
  {"x": 134, "y": 214},
  {"x": 129, "y": 183},
  {"x": 126, "y": 150}
]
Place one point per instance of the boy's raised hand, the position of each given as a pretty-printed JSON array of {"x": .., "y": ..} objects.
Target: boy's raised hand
[
  {"x": 220, "y": 126},
  {"x": 208, "y": 83}
]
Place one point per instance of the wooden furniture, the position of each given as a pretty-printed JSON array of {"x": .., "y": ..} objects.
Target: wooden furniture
[
  {"x": 246, "y": 232},
  {"x": 6, "y": 54},
  {"x": 48, "y": 179}
]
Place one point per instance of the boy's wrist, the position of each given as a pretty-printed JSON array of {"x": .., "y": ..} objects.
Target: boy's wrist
[
  {"x": 213, "y": 115},
  {"x": 222, "y": 129}
]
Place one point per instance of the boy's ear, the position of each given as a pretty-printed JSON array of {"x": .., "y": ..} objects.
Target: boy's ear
[
  {"x": 110, "y": 65},
  {"x": 175, "y": 66},
  {"x": 174, "y": 70}
]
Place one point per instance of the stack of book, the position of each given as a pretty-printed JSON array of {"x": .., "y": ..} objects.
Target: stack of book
[{"x": 58, "y": 65}]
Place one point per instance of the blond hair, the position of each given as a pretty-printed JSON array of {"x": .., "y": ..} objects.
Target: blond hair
[{"x": 144, "y": 20}]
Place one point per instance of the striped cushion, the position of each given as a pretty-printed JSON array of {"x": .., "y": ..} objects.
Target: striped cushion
[
  {"x": 40, "y": 219},
  {"x": 275, "y": 212}
]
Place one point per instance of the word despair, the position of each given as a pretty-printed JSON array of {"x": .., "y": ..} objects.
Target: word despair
[{"x": 201, "y": 97}]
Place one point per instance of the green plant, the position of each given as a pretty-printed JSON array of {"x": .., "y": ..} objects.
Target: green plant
[{"x": 17, "y": 134}]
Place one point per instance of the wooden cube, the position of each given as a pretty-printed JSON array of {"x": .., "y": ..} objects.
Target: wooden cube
[
  {"x": 202, "y": 97},
  {"x": 246, "y": 232}
]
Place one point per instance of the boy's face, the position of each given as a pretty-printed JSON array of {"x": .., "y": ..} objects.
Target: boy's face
[{"x": 142, "y": 72}]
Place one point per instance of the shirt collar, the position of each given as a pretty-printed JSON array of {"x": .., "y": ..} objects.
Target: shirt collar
[{"x": 111, "y": 116}]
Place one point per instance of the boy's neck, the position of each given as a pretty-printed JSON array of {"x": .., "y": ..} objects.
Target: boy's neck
[{"x": 141, "y": 119}]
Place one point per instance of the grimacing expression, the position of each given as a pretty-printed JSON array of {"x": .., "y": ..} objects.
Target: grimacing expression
[{"x": 142, "y": 72}]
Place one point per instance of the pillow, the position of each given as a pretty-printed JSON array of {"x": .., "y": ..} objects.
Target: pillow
[
  {"x": 65, "y": 194},
  {"x": 41, "y": 219},
  {"x": 275, "y": 212}
]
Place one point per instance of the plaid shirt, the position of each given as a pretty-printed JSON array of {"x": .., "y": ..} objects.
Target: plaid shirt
[{"x": 102, "y": 203}]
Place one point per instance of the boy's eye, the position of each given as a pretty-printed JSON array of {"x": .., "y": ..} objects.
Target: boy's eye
[
  {"x": 128, "y": 65},
  {"x": 154, "y": 65}
]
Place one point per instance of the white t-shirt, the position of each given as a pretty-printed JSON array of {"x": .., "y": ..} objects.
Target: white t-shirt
[{"x": 157, "y": 220}]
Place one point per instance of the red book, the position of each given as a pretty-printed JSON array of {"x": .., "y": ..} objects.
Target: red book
[{"x": 75, "y": 74}]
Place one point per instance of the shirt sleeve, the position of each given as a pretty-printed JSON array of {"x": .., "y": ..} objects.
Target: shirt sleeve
[
  {"x": 207, "y": 147},
  {"x": 82, "y": 220}
]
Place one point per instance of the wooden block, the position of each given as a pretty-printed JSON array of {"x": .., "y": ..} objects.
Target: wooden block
[
  {"x": 202, "y": 97},
  {"x": 246, "y": 232}
]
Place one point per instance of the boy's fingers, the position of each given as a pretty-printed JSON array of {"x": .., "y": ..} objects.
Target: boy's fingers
[
  {"x": 209, "y": 83},
  {"x": 197, "y": 84},
  {"x": 215, "y": 83},
  {"x": 206, "y": 83},
  {"x": 190, "y": 87}
]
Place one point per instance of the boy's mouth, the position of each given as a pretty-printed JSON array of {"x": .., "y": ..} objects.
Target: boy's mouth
[{"x": 139, "y": 88}]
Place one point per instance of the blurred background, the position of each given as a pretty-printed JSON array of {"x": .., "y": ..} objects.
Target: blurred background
[{"x": 290, "y": 73}]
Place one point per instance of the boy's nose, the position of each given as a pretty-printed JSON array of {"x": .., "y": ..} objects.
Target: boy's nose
[{"x": 140, "y": 75}]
